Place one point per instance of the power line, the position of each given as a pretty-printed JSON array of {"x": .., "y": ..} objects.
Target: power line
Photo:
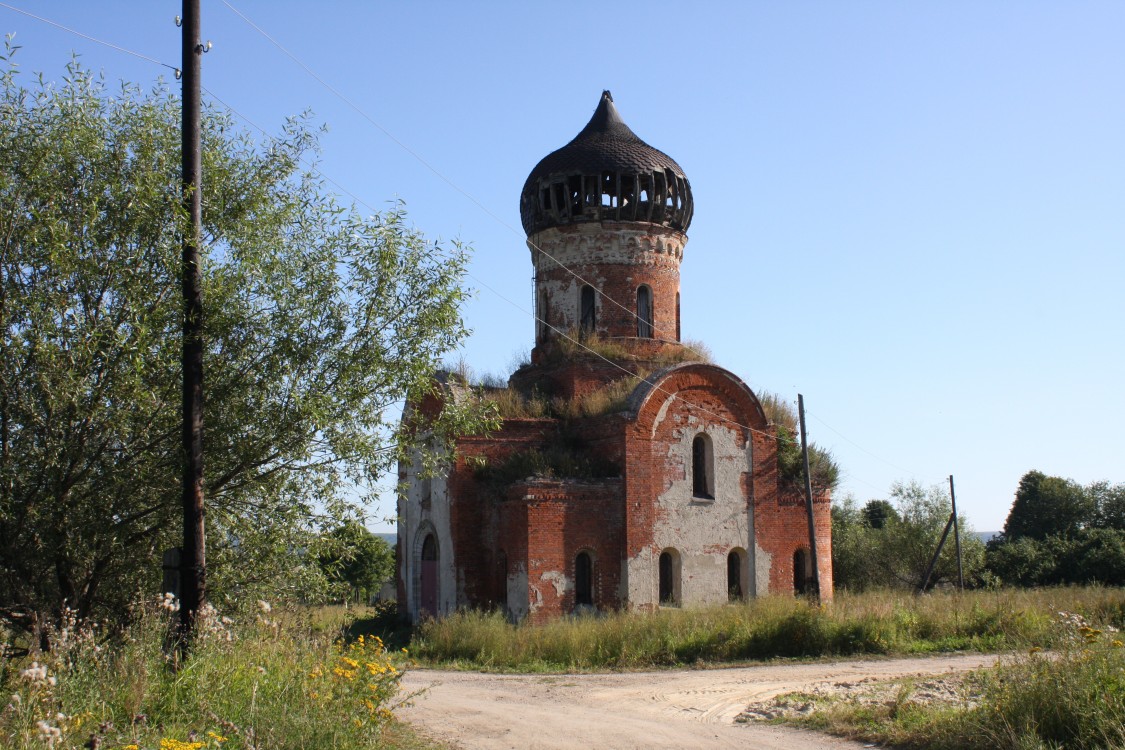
[
  {"x": 445, "y": 179},
  {"x": 69, "y": 30},
  {"x": 440, "y": 175}
]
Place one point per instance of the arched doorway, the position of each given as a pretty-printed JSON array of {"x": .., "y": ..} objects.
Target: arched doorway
[
  {"x": 583, "y": 580},
  {"x": 428, "y": 593},
  {"x": 802, "y": 572}
]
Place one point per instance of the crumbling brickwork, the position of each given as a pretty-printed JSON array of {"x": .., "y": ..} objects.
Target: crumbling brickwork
[{"x": 686, "y": 506}]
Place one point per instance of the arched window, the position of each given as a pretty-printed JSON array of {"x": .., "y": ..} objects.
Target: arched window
[
  {"x": 644, "y": 312},
  {"x": 802, "y": 571},
  {"x": 669, "y": 570},
  {"x": 702, "y": 468},
  {"x": 678, "y": 337},
  {"x": 583, "y": 580},
  {"x": 541, "y": 316},
  {"x": 587, "y": 311},
  {"x": 735, "y": 590}
]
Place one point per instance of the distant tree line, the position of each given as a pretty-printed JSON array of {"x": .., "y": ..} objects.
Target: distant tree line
[{"x": 1057, "y": 532}]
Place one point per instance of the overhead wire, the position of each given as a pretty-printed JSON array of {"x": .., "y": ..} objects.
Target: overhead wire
[
  {"x": 67, "y": 29},
  {"x": 456, "y": 187},
  {"x": 421, "y": 160}
]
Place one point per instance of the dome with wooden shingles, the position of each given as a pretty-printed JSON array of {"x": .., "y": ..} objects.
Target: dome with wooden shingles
[{"x": 606, "y": 173}]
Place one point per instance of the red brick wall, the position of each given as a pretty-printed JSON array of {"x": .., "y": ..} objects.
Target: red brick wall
[{"x": 563, "y": 519}]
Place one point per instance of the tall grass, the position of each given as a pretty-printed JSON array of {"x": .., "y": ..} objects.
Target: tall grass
[
  {"x": 1071, "y": 697},
  {"x": 262, "y": 680},
  {"x": 880, "y": 623}
]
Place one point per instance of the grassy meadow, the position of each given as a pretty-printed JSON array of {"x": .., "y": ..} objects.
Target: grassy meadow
[
  {"x": 314, "y": 677},
  {"x": 768, "y": 628}
]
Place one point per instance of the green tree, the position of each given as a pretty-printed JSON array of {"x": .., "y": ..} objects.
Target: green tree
[
  {"x": 878, "y": 513},
  {"x": 1109, "y": 504},
  {"x": 889, "y": 543},
  {"x": 1046, "y": 506},
  {"x": 318, "y": 322},
  {"x": 355, "y": 560}
]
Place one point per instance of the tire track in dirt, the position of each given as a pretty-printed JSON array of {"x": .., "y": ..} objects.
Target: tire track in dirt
[{"x": 668, "y": 709}]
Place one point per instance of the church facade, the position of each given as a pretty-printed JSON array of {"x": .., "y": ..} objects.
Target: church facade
[{"x": 628, "y": 472}]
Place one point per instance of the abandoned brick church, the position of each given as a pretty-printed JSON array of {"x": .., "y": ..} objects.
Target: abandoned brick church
[{"x": 628, "y": 474}]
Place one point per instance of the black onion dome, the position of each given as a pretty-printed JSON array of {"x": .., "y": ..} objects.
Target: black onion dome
[{"x": 606, "y": 173}]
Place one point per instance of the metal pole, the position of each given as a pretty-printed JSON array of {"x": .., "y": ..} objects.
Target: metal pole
[
  {"x": 193, "y": 560},
  {"x": 808, "y": 499},
  {"x": 956, "y": 536}
]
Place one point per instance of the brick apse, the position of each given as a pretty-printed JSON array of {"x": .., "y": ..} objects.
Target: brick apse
[{"x": 629, "y": 475}]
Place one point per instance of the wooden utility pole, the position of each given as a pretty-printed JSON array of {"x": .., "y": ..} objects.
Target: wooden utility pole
[
  {"x": 956, "y": 536},
  {"x": 808, "y": 499},
  {"x": 193, "y": 559}
]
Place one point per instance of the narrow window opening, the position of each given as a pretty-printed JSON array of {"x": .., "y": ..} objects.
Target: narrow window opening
[
  {"x": 559, "y": 203},
  {"x": 541, "y": 316},
  {"x": 734, "y": 576},
  {"x": 702, "y": 468},
  {"x": 802, "y": 572},
  {"x": 678, "y": 337},
  {"x": 587, "y": 311},
  {"x": 574, "y": 187},
  {"x": 669, "y": 573},
  {"x": 583, "y": 580},
  {"x": 644, "y": 312}
]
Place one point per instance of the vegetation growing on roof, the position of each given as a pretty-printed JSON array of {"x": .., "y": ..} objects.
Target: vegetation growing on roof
[{"x": 823, "y": 468}]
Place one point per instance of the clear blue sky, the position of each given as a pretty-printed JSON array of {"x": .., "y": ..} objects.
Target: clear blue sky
[{"x": 912, "y": 213}]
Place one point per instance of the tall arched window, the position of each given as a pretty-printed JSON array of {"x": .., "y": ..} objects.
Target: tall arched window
[
  {"x": 583, "y": 579},
  {"x": 678, "y": 337},
  {"x": 541, "y": 315},
  {"x": 735, "y": 590},
  {"x": 802, "y": 571},
  {"x": 587, "y": 311},
  {"x": 644, "y": 312},
  {"x": 702, "y": 468},
  {"x": 669, "y": 571}
]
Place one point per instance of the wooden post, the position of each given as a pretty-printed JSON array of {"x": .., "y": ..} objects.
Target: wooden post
[
  {"x": 193, "y": 564},
  {"x": 956, "y": 536},
  {"x": 808, "y": 500}
]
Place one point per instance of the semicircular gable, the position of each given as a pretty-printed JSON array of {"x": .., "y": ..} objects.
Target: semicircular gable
[{"x": 652, "y": 395}]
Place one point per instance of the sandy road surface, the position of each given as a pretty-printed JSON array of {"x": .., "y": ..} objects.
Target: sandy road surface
[{"x": 680, "y": 709}]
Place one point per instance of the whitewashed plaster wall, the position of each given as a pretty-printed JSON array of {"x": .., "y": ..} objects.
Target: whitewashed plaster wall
[{"x": 701, "y": 531}]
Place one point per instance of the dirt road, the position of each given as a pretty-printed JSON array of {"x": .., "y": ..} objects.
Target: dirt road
[{"x": 671, "y": 709}]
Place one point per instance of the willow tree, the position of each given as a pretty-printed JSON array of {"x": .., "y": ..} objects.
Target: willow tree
[{"x": 319, "y": 321}]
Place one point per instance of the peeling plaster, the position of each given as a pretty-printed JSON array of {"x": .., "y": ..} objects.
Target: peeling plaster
[
  {"x": 701, "y": 531},
  {"x": 559, "y": 580}
]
